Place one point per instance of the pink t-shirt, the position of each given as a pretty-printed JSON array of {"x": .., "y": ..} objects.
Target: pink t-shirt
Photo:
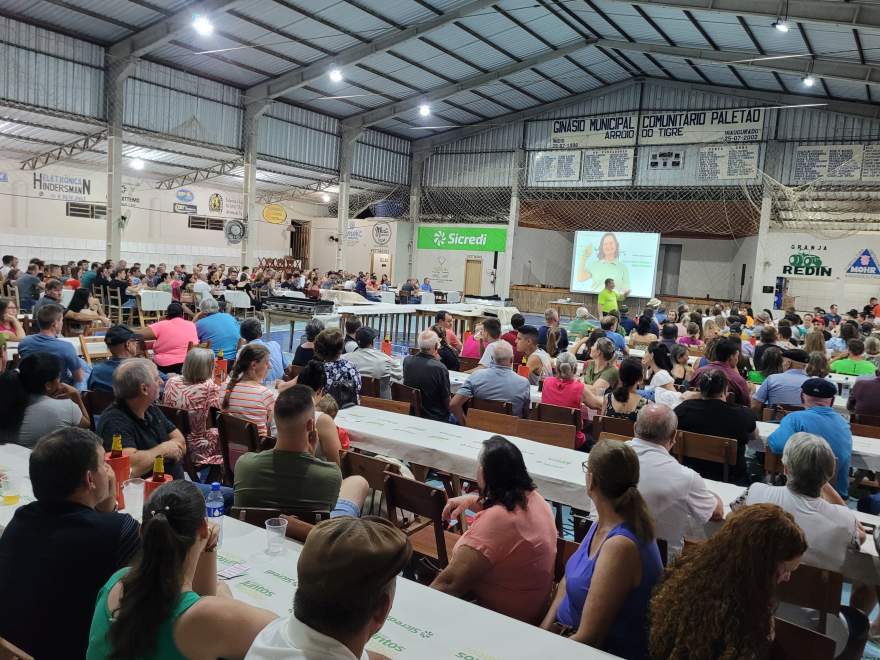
[
  {"x": 172, "y": 338},
  {"x": 521, "y": 547},
  {"x": 566, "y": 393},
  {"x": 471, "y": 348}
]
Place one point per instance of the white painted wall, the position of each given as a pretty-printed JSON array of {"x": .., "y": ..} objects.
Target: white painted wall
[
  {"x": 35, "y": 225},
  {"x": 837, "y": 251},
  {"x": 361, "y": 241}
]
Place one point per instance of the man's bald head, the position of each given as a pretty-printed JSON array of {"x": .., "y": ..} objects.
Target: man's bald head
[{"x": 656, "y": 423}]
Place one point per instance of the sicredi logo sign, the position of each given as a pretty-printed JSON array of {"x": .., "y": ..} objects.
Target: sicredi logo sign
[{"x": 489, "y": 239}]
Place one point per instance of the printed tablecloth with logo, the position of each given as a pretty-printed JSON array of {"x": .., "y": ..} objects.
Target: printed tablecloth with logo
[{"x": 423, "y": 623}]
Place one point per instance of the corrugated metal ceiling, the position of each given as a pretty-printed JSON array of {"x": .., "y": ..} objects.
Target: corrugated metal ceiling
[{"x": 260, "y": 39}]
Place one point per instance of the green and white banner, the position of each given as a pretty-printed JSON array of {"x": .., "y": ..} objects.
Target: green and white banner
[{"x": 456, "y": 237}]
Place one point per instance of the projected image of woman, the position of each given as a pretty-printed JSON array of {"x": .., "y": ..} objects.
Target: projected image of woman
[{"x": 605, "y": 264}]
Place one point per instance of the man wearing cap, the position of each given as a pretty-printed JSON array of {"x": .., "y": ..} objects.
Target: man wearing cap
[
  {"x": 346, "y": 574},
  {"x": 122, "y": 344},
  {"x": 817, "y": 395},
  {"x": 374, "y": 363},
  {"x": 783, "y": 388},
  {"x": 609, "y": 298}
]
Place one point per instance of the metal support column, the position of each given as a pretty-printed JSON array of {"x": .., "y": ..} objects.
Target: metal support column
[
  {"x": 415, "y": 206},
  {"x": 116, "y": 73},
  {"x": 505, "y": 263},
  {"x": 346, "y": 156},
  {"x": 760, "y": 300},
  {"x": 250, "y": 126}
]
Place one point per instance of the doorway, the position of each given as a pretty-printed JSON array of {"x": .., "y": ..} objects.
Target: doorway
[
  {"x": 380, "y": 264},
  {"x": 473, "y": 277}
]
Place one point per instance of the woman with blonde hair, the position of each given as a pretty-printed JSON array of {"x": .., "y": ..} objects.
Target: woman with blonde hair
[
  {"x": 718, "y": 599},
  {"x": 196, "y": 392},
  {"x": 603, "y": 598},
  {"x": 817, "y": 367},
  {"x": 815, "y": 341}
]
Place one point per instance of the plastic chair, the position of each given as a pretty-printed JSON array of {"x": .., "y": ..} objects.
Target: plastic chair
[{"x": 428, "y": 298}]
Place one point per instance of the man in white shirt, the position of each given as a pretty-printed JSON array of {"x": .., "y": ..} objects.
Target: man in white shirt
[
  {"x": 491, "y": 334},
  {"x": 677, "y": 496},
  {"x": 348, "y": 562},
  {"x": 373, "y": 363},
  {"x": 203, "y": 288}
]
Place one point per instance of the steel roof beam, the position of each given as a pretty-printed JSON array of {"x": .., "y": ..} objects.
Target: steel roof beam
[
  {"x": 142, "y": 42},
  {"x": 291, "y": 80},
  {"x": 846, "y": 14},
  {"x": 843, "y": 71},
  {"x": 65, "y": 151},
  {"x": 439, "y": 93},
  {"x": 200, "y": 174},
  {"x": 428, "y": 143}
]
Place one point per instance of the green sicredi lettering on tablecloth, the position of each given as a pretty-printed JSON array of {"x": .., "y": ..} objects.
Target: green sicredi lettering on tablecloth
[
  {"x": 284, "y": 578},
  {"x": 387, "y": 644},
  {"x": 257, "y": 588},
  {"x": 425, "y": 634}
]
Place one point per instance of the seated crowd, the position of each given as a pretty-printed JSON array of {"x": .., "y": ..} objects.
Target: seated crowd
[{"x": 121, "y": 589}]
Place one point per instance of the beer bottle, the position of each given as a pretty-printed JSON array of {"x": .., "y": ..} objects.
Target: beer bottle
[
  {"x": 116, "y": 447},
  {"x": 159, "y": 469}
]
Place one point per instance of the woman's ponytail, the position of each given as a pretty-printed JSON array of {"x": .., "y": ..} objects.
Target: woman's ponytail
[
  {"x": 151, "y": 589},
  {"x": 632, "y": 508}
]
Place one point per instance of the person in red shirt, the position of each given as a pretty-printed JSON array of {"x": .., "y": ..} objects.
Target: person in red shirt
[
  {"x": 516, "y": 321},
  {"x": 875, "y": 307}
]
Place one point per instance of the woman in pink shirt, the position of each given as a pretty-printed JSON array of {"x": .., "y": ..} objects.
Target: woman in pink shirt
[
  {"x": 507, "y": 555},
  {"x": 566, "y": 389},
  {"x": 172, "y": 338}
]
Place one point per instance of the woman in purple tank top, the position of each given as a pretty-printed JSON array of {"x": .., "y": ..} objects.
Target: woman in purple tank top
[{"x": 603, "y": 598}]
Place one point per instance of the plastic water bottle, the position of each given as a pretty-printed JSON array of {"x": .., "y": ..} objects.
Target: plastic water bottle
[{"x": 214, "y": 509}]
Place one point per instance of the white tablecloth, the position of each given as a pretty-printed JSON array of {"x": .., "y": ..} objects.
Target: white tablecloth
[
  {"x": 556, "y": 471},
  {"x": 423, "y": 623},
  {"x": 14, "y": 461},
  {"x": 12, "y": 346}
]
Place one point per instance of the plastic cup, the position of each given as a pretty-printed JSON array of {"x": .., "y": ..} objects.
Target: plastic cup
[
  {"x": 276, "y": 529},
  {"x": 133, "y": 492},
  {"x": 9, "y": 488}
]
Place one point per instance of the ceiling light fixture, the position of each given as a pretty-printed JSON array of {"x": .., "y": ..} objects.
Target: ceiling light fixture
[
  {"x": 203, "y": 25},
  {"x": 808, "y": 80},
  {"x": 137, "y": 164},
  {"x": 325, "y": 198},
  {"x": 424, "y": 109},
  {"x": 335, "y": 75},
  {"x": 780, "y": 25},
  {"x": 781, "y": 22}
]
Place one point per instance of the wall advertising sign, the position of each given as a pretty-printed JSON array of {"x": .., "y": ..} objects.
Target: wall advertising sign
[
  {"x": 803, "y": 260},
  {"x": 274, "y": 213},
  {"x": 184, "y": 195},
  {"x": 604, "y": 131},
  {"x": 62, "y": 186},
  {"x": 381, "y": 233},
  {"x": 864, "y": 265},
  {"x": 215, "y": 203},
  {"x": 694, "y": 126},
  {"x": 189, "y": 209},
  {"x": 453, "y": 237}
]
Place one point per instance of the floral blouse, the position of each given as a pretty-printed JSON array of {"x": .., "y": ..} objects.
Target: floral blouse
[{"x": 203, "y": 443}]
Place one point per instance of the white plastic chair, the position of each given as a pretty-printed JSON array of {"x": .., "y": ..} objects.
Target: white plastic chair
[
  {"x": 387, "y": 297},
  {"x": 453, "y": 297},
  {"x": 428, "y": 298}
]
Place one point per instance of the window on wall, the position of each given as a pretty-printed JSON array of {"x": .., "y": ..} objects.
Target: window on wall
[
  {"x": 86, "y": 210},
  {"x": 668, "y": 269},
  {"x": 204, "y": 222}
]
